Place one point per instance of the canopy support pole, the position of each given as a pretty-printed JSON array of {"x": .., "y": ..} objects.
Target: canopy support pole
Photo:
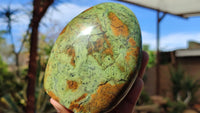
[{"x": 159, "y": 19}]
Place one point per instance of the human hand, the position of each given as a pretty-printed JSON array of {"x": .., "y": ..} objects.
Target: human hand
[{"x": 128, "y": 103}]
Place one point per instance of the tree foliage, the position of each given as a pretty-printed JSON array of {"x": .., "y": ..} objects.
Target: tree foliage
[
  {"x": 5, "y": 78},
  {"x": 14, "y": 99},
  {"x": 184, "y": 86},
  {"x": 26, "y": 93},
  {"x": 5, "y": 53},
  {"x": 152, "y": 56}
]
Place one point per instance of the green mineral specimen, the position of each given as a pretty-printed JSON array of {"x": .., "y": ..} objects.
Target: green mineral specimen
[{"x": 95, "y": 59}]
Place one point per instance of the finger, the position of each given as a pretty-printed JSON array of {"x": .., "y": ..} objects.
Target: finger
[
  {"x": 138, "y": 85},
  {"x": 145, "y": 59},
  {"x": 128, "y": 103},
  {"x": 135, "y": 91},
  {"x": 59, "y": 108}
]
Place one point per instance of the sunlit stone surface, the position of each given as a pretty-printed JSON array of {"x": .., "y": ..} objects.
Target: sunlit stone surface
[{"x": 95, "y": 59}]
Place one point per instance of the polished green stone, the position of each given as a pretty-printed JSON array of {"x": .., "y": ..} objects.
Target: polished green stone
[{"x": 95, "y": 59}]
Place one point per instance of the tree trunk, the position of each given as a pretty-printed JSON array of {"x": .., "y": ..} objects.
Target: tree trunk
[
  {"x": 17, "y": 64},
  {"x": 39, "y": 9},
  {"x": 32, "y": 70}
]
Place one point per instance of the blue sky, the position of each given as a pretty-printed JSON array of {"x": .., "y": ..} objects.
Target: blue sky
[{"x": 175, "y": 31}]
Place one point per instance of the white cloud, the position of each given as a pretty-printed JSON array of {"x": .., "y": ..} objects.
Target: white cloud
[
  {"x": 63, "y": 13},
  {"x": 57, "y": 18},
  {"x": 149, "y": 39},
  {"x": 170, "y": 42},
  {"x": 60, "y": 15},
  {"x": 178, "y": 40}
]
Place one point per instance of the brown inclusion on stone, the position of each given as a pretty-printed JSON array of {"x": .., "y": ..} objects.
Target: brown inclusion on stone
[
  {"x": 73, "y": 85},
  {"x": 88, "y": 9},
  {"x": 103, "y": 97},
  {"x": 71, "y": 52},
  {"x": 100, "y": 100},
  {"x": 52, "y": 95},
  {"x": 101, "y": 46},
  {"x": 80, "y": 98},
  {"x": 122, "y": 69},
  {"x": 117, "y": 26},
  {"x": 132, "y": 42},
  {"x": 63, "y": 30},
  {"x": 75, "y": 105},
  {"x": 132, "y": 51}
]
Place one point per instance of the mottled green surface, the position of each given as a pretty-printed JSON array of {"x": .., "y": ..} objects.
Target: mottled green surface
[{"x": 95, "y": 59}]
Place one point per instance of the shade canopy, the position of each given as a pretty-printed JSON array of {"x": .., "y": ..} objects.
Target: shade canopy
[{"x": 183, "y": 8}]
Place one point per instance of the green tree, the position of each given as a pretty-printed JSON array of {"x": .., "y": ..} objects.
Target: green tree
[
  {"x": 8, "y": 84},
  {"x": 15, "y": 101},
  {"x": 184, "y": 86},
  {"x": 177, "y": 76},
  {"x": 5, "y": 53},
  {"x": 4, "y": 76},
  {"x": 152, "y": 56},
  {"x": 42, "y": 99},
  {"x": 7, "y": 15}
]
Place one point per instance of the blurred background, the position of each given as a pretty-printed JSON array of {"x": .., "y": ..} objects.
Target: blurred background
[{"x": 29, "y": 28}]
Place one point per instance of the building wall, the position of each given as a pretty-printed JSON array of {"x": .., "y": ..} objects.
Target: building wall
[
  {"x": 150, "y": 81},
  {"x": 191, "y": 66},
  {"x": 194, "y": 45},
  {"x": 165, "y": 84}
]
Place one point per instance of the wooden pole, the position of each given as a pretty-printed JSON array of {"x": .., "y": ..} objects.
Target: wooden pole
[{"x": 159, "y": 19}]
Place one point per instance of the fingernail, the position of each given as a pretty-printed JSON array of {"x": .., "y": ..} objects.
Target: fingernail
[{"x": 54, "y": 103}]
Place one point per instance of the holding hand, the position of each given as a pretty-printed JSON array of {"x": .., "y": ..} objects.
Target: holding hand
[{"x": 128, "y": 103}]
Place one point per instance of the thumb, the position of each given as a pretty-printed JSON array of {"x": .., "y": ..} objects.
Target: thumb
[{"x": 59, "y": 108}]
